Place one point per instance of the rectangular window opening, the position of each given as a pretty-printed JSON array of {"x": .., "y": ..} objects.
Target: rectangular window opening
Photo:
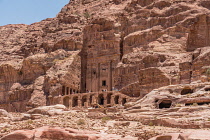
[{"x": 104, "y": 83}]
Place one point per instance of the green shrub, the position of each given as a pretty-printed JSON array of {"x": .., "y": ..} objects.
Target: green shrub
[
  {"x": 195, "y": 104},
  {"x": 29, "y": 121},
  {"x": 178, "y": 105},
  {"x": 86, "y": 15},
  {"x": 150, "y": 124},
  {"x": 81, "y": 122},
  {"x": 104, "y": 119},
  {"x": 208, "y": 72}
]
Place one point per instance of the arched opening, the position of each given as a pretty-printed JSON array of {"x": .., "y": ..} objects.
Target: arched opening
[
  {"x": 165, "y": 104},
  {"x": 207, "y": 89},
  {"x": 75, "y": 101},
  {"x": 66, "y": 101},
  {"x": 84, "y": 99},
  {"x": 116, "y": 99},
  {"x": 91, "y": 99},
  {"x": 101, "y": 99},
  {"x": 67, "y": 90},
  {"x": 63, "y": 90},
  {"x": 109, "y": 96},
  {"x": 186, "y": 91},
  {"x": 124, "y": 101}
]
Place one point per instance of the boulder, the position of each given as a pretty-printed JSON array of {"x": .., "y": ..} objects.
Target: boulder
[
  {"x": 4, "y": 113},
  {"x": 190, "y": 135},
  {"x": 48, "y": 110},
  {"x": 56, "y": 133}
]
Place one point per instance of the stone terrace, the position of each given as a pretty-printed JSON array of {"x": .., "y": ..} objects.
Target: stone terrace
[{"x": 105, "y": 99}]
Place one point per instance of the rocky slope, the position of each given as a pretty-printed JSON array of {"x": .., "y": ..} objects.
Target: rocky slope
[
  {"x": 159, "y": 39},
  {"x": 164, "y": 49}
]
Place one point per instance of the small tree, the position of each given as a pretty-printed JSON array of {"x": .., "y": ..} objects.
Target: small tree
[
  {"x": 86, "y": 15},
  {"x": 208, "y": 72}
]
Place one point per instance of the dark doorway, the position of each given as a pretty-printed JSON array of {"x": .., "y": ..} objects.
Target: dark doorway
[
  {"x": 66, "y": 101},
  {"x": 75, "y": 101},
  {"x": 101, "y": 99},
  {"x": 63, "y": 90},
  {"x": 207, "y": 89},
  {"x": 165, "y": 104},
  {"x": 84, "y": 99},
  {"x": 104, "y": 83},
  {"x": 186, "y": 91},
  {"x": 124, "y": 101},
  {"x": 91, "y": 99},
  {"x": 109, "y": 96},
  {"x": 67, "y": 92},
  {"x": 116, "y": 99}
]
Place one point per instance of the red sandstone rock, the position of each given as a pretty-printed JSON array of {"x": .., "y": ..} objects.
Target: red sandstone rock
[
  {"x": 133, "y": 46},
  {"x": 191, "y": 135},
  {"x": 57, "y": 133}
]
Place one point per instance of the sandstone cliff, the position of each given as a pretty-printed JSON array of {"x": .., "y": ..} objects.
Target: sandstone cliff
[{"x": 150, "y": 44}]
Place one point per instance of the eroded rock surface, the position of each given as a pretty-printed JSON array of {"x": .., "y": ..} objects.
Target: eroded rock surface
[
  {"x": 57, "y": 133},
  {"x": 153, "y": 51}
]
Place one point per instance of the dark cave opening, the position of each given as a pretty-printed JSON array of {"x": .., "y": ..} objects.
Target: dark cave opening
[{"x": 165, "y": 104}]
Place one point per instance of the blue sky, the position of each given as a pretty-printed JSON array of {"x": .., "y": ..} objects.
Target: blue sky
[{"x": 28, "y": 11}]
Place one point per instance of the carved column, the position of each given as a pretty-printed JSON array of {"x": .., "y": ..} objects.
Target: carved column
[
  {"x": 99, "y": 82},
  {"x": 50, "y": 98},
  {"x": 70, "y": 102},
  {"x": 88, "y": 100},
  {"x": 95, "y": 99},
  {"x": 120, "y": 100},
  {"x": 105, "y": 99},
  {"x": 112, "y": 100},
  {"x": 64, "y": 90},
  {"x": 79, "y": 101},
  {"x": 69, "y": 91},
  {"x": 110, "y": 76}
]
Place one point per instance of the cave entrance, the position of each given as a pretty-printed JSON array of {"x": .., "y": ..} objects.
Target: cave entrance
[
  {"x": 109, "y": 96},
  {"x": 197, "y": 103},
  {"x": 91, "y": 99},
  {"x": 204, "y": 103},
  {"x": 124, "y": 101},
  {"x": 75, "y": 101},
  {"x": 66, "y": 101},
  {"x": 84, "y": 99},
  {"x": 186, "y": 91},
  {"x": 67, "y": 90},
  {"x": 116, "y": 99},
  {"x": 165, "y": 104},
  {"x": 101, "y": 99},
  {"x": 63, "y": 90},
  {"x": 207, "y": 89}
]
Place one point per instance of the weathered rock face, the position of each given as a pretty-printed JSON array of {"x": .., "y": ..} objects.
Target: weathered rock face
[
  {"x": 152, "y": 78},
  {"x": 171, "y": 29},
  {"x": 40, "y": 76},
  {"x": 192, "y": 135},
  {"x": 170, "y": 105},
  {"x": 199, "y": 33},
  {"x": 104, "y": 45},
  {"x": 57, "y": 133},
  {"x": 185, "y": 94}
]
